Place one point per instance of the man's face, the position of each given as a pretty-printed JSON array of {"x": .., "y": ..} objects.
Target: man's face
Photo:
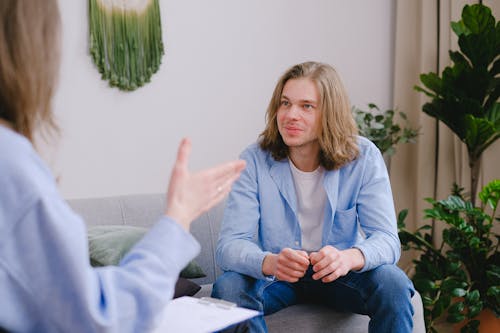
[{"x": 298, "y": 116}]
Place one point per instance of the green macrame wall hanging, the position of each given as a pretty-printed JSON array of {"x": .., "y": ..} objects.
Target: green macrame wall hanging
[{"x": 125, "y": 40}]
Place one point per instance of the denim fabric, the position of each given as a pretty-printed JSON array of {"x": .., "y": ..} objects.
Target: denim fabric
[{"x": 384, "y": 294}]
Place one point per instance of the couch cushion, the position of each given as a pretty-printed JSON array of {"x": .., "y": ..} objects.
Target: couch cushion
[
  {"x": 108, "y": 244},
  {"x": 143, "y": 210}
]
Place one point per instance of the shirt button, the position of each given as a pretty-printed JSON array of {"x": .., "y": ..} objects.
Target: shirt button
[{"x": 297, "y": 243}]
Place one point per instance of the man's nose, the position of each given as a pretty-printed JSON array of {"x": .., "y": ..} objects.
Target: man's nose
[{"x": 293, "y": 112}]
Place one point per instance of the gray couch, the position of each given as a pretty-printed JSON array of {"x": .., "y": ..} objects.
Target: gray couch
[{"x": 144, "y": 210}]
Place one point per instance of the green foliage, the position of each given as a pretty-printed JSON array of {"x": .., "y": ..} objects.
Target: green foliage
[
  {"x": 461, "y": 275},
  {"x": 465, "y": 96},
  {"x": 380, "y": 127},
  {"x": 465, "y": 266}
]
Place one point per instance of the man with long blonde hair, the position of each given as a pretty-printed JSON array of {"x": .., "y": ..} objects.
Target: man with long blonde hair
[{"x": 312, "y": 217}]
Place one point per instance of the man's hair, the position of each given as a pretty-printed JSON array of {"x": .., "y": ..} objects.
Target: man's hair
[
  {"x": 29, "y": 62},
  {"x": 338, "y": 130}
]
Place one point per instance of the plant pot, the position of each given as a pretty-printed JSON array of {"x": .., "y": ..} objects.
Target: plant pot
[{"x": 489, "y": 323}]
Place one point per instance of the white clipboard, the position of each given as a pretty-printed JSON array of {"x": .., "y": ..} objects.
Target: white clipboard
[{"x": 201, "y": 315}]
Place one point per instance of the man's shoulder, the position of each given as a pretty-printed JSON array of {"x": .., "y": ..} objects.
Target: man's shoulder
[
  {"x": 367, "y": 149},
  {"x": 365, "y": 144},
  {"x": 256, "y": 157},
  {"x": 254, "y": 147},
  {"x": 255, "y": 151},
  {"x": 368, "y": 153}
]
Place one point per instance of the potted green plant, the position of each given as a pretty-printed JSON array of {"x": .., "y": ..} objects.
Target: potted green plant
[
  {"x": 465, "y": 96},
  {"x": 460, "y": 276},
  {"x": 382, "y": 129}
]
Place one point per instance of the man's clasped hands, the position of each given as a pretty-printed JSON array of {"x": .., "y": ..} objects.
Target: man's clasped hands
[{"x": 328, "y": 264}]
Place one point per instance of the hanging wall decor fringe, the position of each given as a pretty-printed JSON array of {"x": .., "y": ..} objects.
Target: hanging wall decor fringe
[{"x": 125, "y": 40}]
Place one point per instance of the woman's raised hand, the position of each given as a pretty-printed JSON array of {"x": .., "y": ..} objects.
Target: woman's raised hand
[{"x": 191, "y": 194}]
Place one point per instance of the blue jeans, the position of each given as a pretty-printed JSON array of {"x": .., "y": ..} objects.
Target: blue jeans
[{"x": 384, "y": 294}]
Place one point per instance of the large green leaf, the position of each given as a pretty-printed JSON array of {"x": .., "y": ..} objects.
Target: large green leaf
[
  {"x": 494, "y": 94},
  {"x": 480, "y": 49},
  {"x": 477, "y": 18},
  {"x": 493, "y": 115},
  {"x": 449, "y": 114},
  {"x": 459, "y": 58},
  {"x": 481, "y": 133},
  {"x": 478, "y": 131},
  {"x": 427, "y": 92},
  {"x": 459, "y": 28},
  {"x": 432, "y": 81}
]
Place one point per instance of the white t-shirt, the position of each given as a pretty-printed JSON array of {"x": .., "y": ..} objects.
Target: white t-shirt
[{"x": 311, "y": 199}]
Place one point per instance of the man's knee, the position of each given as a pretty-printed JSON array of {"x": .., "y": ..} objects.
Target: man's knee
[
  {"x": 392, "y": 283},
  {"x": 230, "y": 285},
  {"x": 392, "y": 275},
  {"x": 238, "y": 288}
]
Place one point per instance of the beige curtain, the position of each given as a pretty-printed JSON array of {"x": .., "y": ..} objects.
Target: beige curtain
[{"x": 429, "y": 167}]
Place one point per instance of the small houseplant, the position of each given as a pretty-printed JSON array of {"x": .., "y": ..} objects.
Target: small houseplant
[
  {"x": 461, "y": 276},
  {"x": 380, "y": 127}
]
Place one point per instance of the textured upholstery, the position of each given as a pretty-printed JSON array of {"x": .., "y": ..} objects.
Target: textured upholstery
[{"x": 144, "y": 210}]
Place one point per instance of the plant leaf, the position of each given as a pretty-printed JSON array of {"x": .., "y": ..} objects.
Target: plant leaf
[
  {"x": 455, "y": 318},
  {"x": 456, "y": 308},
  {"x": 472, "y": 296},
  {"x": 490, "y": 194},
  {"x": 432, "y": 81},
  {"x": 458, "y": 292},
  {"x": 477, "y": 18}
]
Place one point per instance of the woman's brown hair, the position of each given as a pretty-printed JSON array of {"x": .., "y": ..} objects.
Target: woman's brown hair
[
  {"x": 337, "y": 138},
  {"x": 29, "y": 62}
]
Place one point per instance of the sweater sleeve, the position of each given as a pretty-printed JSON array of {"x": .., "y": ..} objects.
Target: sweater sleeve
[
  {"x": 237, "y": 249},
  {"x": 46, "y": 281},
  {"x": 55, "y": 286},
  {"x": 376, "y": 214}
]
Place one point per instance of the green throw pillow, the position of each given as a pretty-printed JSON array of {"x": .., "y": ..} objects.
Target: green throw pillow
[{"x": 108, "y": 244}]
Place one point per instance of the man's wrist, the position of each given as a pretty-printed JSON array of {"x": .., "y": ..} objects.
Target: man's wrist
[
  {"x": 357, "y": 259},
  {"x": 269, "y": 265}
]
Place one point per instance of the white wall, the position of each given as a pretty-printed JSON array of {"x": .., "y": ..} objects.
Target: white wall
[{"x": 223, "y": 58}]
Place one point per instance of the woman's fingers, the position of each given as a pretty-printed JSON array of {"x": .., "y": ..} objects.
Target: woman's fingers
[
  {"x": 218, "y": 180},
  {"x": 217, "y": 192},
  {"x": 225, "y": 170},
  {"x": 183, "y": 153}
]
